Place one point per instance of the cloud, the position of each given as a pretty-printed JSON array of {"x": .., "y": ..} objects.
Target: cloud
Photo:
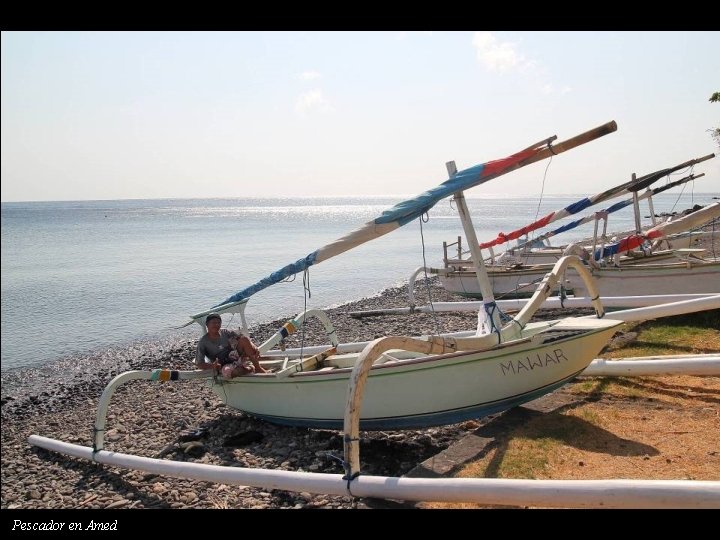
[
  {"x": 501, "y": 56},
  {"x": 496, "y": 55},
  {"x": 309, "y": 75},
  {"x": 313, "y": 101}
]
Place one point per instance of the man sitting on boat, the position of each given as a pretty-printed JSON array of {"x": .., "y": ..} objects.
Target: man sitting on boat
[{"x": 231, "y": 353}]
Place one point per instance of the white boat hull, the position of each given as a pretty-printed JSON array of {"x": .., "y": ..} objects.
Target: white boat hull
[
  {"x": 427, "y": 391},
  {"x": 522, "y": 282},
  {"x": 505, "y": 282},
  {"x": 550, "y": 255},
  {"x": 675, "y": 278}
]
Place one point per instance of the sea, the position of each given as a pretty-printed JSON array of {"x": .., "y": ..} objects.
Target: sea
[{"x": 80, "y": 277}]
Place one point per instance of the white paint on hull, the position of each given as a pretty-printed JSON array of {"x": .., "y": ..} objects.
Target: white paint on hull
[
  {"x": 421, "y": 386},
  {"x": 676, "y": 278}
]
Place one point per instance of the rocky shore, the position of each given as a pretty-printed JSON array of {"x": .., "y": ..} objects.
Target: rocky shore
[{"x": 185, "y": 421}]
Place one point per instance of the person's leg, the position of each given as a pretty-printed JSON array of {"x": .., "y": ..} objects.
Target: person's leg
[
  {"x": 251, "y": 352},
  {"x": 228, "y": 371},
  {"x": 257, "y": 366},
  {"x": 241, "y": 370}
]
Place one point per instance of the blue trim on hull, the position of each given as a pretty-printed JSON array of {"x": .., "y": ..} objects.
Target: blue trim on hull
[{"x": 441, "y": 418}]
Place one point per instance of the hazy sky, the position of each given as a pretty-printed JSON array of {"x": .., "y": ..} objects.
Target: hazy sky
[{"x": 115, "y": 115}]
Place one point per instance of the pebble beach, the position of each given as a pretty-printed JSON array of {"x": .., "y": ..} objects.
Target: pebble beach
[{"x": 185, "y": 421}]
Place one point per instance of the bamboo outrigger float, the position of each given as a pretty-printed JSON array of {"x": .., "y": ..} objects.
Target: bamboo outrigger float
[{"x": 401, "y": 381}]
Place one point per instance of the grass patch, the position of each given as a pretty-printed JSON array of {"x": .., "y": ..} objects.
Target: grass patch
[
  {"x": 696, "y": 333},
  {"x": 617, "y": 386},
  {"x": 589, "y": 415},
  {"x": 521, "y": 457},
  {"x": 526, "y": 458},
  {"x": 525, "y": 451}
]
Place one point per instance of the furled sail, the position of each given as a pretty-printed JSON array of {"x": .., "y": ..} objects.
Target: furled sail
[
  {"x": 580, "y": 205},
  {"x": 614, "y": 208},
  {"x": 696, "y": 219}
]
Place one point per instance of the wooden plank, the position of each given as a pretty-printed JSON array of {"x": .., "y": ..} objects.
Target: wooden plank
[{"x": 309, "y": 364}]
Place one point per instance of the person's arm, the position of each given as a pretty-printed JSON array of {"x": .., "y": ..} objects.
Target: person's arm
[
  {"x": 200, "y": 362},
  {"x": 208, "y": 365}
]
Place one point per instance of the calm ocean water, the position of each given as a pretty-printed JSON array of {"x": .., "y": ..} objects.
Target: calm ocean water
[{"x": 81, "y": 276}]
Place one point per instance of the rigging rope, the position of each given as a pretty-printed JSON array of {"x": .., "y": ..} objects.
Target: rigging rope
[
  {"x": 542, "y": 193},
  {"x": 490, "y": 309},
  {"x": 689, "y": 169},
  {"x": 306, "y": 294},
  {"x": 427, "y": 279},
  {"x": 712, "y": 237}
]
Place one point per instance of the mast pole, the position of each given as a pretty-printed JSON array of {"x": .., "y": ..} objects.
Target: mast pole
[
  {"x": 636, "y": 208},
  {"x": 652, "y": 208},
  {"x": 478, "y": 264}
]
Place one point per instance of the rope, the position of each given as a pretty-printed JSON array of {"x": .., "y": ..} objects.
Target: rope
[
  {"x": 349, "y": 479},
  {"x": 306, "y": 294},
  {"x": 678, "y": 198},
  {"x": 596, "y": 311},
  {"x": 689, "y": 169},
  {"x": 94, "y": 439},
  {"x": 712, "y": 237},
  {"x": 217, "y": 380},
  {"x": 692, "y": 192},
  {"x": 427, "y": 279},
  {"x": 490, "y": 309},
  {"x": 346, "y": 466},
  {"x": 306, "y": 282},
  {"x": 518, "y": 287},
  {"x": 542, "y": 189}
]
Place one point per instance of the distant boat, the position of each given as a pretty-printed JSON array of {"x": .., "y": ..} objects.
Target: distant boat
[
  {"x": 688, "y": 273},
  {"x": 516, "y": 272}
]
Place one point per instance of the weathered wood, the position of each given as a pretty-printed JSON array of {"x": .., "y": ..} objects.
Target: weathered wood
[
  {"x": 559, "y": 148},
  {"x": 310, "y": 363}
]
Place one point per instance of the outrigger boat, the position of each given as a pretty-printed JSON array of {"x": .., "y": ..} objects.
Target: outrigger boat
[
  {"x": 689, "y": 273},
  {"x": 412, "y": 382}
]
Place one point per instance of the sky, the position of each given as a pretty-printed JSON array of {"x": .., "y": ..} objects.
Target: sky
[{"x": 145, "y": 115}]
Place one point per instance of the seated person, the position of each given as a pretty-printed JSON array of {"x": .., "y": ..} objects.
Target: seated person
[
  {"x": 218, "y": 344},
  {"x": 243, "y": 357}
]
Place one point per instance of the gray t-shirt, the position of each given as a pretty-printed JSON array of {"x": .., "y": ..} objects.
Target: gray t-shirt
[{"x": 218, "y": 348}]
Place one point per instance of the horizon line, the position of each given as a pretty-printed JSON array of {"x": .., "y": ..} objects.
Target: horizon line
[{"x": 309, "y": 197}]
